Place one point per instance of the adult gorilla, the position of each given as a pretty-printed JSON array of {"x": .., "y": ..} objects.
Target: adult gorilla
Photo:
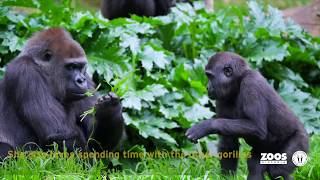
[
  {"x": 248, "y": 107},
  {"x": 123, "y": 8},
  {"x": 42, "y": 97}
]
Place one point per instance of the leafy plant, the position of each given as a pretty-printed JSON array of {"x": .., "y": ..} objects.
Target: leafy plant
[{"x": 157, "y": 64}]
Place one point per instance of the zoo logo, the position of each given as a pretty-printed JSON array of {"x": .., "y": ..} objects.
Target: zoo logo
[
  {"x": 299, "y": 158},
  {"x": 270, "y": 158}
]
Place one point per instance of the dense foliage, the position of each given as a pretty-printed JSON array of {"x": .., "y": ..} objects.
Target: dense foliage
[{"x": 157, "y": 64}]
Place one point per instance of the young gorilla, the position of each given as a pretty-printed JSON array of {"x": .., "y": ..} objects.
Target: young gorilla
[
  {"x": 112, "y": 9},
  {"x": 42, "y": 98},
  {"x": 248, "y": 107}
]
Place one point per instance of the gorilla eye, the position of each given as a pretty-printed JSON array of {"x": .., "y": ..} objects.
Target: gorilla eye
[
  {"x": 227, "y": 71},
  {"x": 71, "y": 66},
  {"x": 47, "y": 55},
  {"x": 75, "y": 66}
]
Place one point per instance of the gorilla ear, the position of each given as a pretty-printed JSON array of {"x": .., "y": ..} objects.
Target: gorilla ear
[
  {"x": 228, "y": 71},
  {"x": 47, "y": 55}
]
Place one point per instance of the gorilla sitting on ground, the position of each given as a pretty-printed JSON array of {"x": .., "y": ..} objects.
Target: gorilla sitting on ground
[{"x": 43, "y": 95}]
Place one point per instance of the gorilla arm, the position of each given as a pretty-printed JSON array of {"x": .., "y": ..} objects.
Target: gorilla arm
[
  {"x": 255, "y": 124},
  {"x": 112, "y": 8},
  {"x": 123, "y": 8},
  {"x": 30, "y": 94},
  {"x": 109, "y": 125}
]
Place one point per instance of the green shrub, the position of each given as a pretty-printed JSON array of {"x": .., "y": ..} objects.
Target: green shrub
[{"x": 157, "y": 64}]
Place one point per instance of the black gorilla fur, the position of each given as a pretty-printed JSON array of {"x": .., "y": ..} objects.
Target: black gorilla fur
[
  {"x": 42, "y": 97},
  {"x": 123, "y": 8},
  {"x": 248, "y": 107}
]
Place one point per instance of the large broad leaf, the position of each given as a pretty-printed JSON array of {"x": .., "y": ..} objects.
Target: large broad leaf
[
  {"x": 198, "y": 112},
  {"x": 152, "y": 126},
  {"x": 281, "y": 73},
  {"x": 13, "y": 42},
  {"x": 150, "y": 92},
  {"x": 268, "y": 51},
  {"x": 150, "y": 57},
  {"x": 272, "y": 21},
  {"x": 109, "y": 61},
  {"x": 257, "y": 13},
  {"x": 133, "y": 99},
  {"x": 109, "y": 68},
  {"x": 146, "y": 131},
  {"x": 130, "y": 41}
]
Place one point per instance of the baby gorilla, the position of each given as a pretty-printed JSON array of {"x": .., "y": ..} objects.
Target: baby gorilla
[{"x": 248, "y": 107}]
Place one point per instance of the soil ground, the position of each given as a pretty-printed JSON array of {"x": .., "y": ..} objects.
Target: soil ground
[{"x": 307, "y": 16}]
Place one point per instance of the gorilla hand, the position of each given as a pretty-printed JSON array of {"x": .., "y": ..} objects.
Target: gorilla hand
[
  {"x": 199, "y": 130},
  {"x": 109, "y": 104}
]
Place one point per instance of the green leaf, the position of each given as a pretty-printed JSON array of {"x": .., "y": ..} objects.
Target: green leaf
[
  {"x": 268, "y": 51},
  {"x": 272, "y": 21},
  {"x": 145, "y": 131},
  {"x": 1, "y": 72},
  {"x": 110, "y": 63},
  {"x": 276, "y": 23},
  {"x": 169, "y": 113},
  {"x": 13, "y": 42},
  {"x": 163, "y": 123},
  {"x": 151, "y": 126},
  {"x": 281, "y": 73},
  {"x": 157, "y": 90},
  {"x": 131, "y": 101},
  {"x": 132, "y": 41},
  {"x": 150, "y": 56},
  {"x": 198, "y": 112},
  {"x": 257, "y": 13}
]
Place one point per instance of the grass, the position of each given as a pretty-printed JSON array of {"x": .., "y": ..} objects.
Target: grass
[{"x": 40, "y": 167}]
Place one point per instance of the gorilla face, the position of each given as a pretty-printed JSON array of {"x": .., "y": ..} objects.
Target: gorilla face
[
  {"x": 77, "y": 85},
  {"x": 63, "y": 63},
  {"x": 220, "y": 81},
  {"x": 223, "y": 74},
  {"x": 69, "y": 69}
]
